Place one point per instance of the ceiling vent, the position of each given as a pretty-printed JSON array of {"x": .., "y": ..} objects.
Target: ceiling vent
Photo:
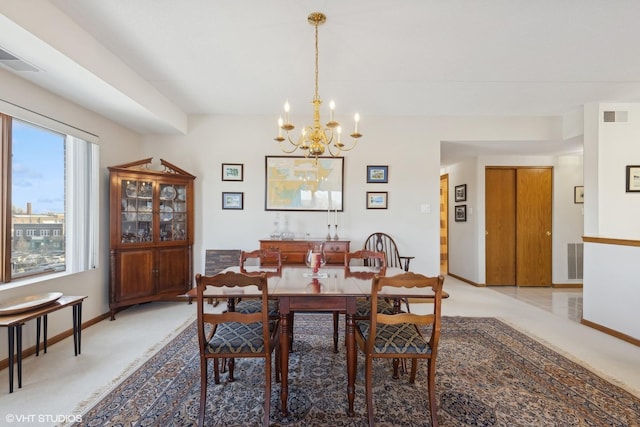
[
  {"x": 14, "y": 63},
  {"x": 615, "y": 116}
]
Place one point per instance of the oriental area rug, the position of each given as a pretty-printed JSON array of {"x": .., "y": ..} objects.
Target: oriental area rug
[{"x": 488, "y": 374}]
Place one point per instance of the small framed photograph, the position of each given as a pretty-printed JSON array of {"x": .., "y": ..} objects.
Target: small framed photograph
[
  {"x": 633, "y": 179},
  {"x": 377, "y": 200},
  {"x": 578, "y": 194},
  {"x": 461, "y": 193},
  {"x": 232, "y": 200},
  {"x": 461, "y": 213},
  {"x": 378, "y": 174},
  {"x": 232, "y": 172}
]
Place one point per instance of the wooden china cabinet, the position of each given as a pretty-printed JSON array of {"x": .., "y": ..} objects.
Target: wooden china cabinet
[{"x": 151, "y": 220}]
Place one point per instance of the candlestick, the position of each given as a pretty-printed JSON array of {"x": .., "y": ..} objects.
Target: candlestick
[
  {"x": 336, "y": 236},
  {"x": 328, "y": 231}
]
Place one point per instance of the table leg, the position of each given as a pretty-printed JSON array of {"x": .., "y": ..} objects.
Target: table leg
[
  {"x": 11, "y": 335},
  {"x": 284, "y": 355},
  {"x": 351, "y": 363},
  {"x": 38, "y": 323},
  {"x": 77, "y": 328},
  {"x": 19, "y": 353},
  {"x": 45, "y": 322}
]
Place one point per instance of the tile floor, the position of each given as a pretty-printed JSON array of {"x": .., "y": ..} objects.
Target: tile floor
[{"x": 59, "y": 385}]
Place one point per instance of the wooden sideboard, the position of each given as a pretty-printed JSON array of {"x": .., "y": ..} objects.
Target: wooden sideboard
[{"x": 295, "y": 251}]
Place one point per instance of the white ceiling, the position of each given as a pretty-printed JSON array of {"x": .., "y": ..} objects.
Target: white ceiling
[{"x": 148, "y": 64}]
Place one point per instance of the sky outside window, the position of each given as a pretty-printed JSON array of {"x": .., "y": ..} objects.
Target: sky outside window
[{"x": 38, "y": 169}]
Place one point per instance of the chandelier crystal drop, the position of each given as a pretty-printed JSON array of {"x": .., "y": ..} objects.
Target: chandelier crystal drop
[{"x": 316, "y": 139}]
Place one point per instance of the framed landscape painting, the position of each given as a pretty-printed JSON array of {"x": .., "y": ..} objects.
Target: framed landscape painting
[
  {"x": 232, "y": 172},
  {"x": 232, "y": 200},
  {"x": 378, "y": 174},
  {"x": 377, "y": 199},
  {"x": 295, "y": 183}
]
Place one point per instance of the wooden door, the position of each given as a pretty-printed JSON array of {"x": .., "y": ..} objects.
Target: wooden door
[
  {"x": 500, "y": 219},
  {"x": 533, "y": 213},
  {"x": 444, "y": 224}
]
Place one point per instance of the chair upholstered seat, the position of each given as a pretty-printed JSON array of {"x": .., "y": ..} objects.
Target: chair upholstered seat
[
  {"x": 363, "y": 307},
  {"x": 255, "y": 305},
  {"x": 237, "y": 338},
  {"x": 403, "y": 338}
]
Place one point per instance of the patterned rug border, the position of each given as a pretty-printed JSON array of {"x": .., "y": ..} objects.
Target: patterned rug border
[
  {"x": 573, "y": 358},
  {"x": 95, "y": 397}
]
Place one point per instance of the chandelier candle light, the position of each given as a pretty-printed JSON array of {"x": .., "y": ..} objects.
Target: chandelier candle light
[{"x": 316, "y": 139}]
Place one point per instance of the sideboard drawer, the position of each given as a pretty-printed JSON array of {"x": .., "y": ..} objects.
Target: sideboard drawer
[{"x": 295, "y": 251}]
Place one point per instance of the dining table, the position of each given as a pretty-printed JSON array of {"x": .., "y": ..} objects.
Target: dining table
[{"x": 333, "y": 288}]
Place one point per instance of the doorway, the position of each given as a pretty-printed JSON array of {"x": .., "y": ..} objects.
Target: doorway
[{"x": 518, "y": 225}]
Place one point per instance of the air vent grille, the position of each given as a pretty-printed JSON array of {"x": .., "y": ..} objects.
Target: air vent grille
[
  {"x": 14, "y": 63},
  {"x": 615, "y": 116},
  {"x": 574, "y": 260}
]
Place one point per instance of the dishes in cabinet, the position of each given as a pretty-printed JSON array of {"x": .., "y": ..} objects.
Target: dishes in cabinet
[
  {"x": 144, "y": 217},
  {"x": 130, "y": 213},
  {"x": 146, "y": 190},
  {"x": 168, "y": 193},
  {"x": 166, "y": 213},
  {"x": 131, "y": 190},
  {"x": 182, "y": 193}
]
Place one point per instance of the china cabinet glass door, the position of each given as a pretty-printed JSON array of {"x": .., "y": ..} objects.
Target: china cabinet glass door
[
  {"x": 137, "y": 211},
  {"x": 173, "y": 212}
]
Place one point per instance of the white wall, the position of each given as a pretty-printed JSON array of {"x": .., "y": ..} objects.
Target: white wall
[
  {"x": 611, "y": 294},
  {"x": 462, "y": 250},
  {"x": 117, "y": 145},
  {"x": 403, "y": 144}
]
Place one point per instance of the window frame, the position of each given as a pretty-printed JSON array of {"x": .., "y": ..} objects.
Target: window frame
[{"x": 82, "y": 174}]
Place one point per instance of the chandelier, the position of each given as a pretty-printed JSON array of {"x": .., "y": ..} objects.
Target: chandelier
[{"x": 315, "y": 139}]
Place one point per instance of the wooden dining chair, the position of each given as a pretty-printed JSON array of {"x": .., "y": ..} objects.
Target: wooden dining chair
[
  {"x": 357, "y": 259},
  {"x": 268, "y": 261},
  {"x": 235, "y": 335},
  {"x": 382, "y": 242},
  {"x": 399, "y": 335}
]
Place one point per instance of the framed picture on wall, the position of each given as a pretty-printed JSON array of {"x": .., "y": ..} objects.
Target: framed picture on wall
[
  {"x": 460, "y": 213},
  {"x": 232, "y": 200},
  {"x": 633, "y": 178},
  {"x": 578, "y": 194},
  {"x": 232, "y": 172},
  {"x": 460, "y": 193},
  {"x": 378, "y": 174},
  {"x": 377, "y": 200},
  {"x": 295, "y": 183}
]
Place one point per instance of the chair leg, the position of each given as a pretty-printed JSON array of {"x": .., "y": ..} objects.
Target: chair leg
[
  {"x": 216, "y": 371},
  {"x": 396, "y": 365},
  {"x": 414, "y": 369},
  {"x": 291, "y": 316},
  {"x": 278, "y": 363},
  {"x": 232, "y": 365},
  {"x": 336, "y": 318},
  {"x": 431, "y": 381},
  {"x": 368, "y": 378},
  {"x": 267, "y": 391},
  {"x": 203, "y": 390}
]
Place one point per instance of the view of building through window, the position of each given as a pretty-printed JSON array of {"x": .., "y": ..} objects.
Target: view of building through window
[{"x": 37, "y": 200}]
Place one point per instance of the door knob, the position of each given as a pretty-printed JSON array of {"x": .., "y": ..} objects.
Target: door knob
[{"x": 548, "y": 233}]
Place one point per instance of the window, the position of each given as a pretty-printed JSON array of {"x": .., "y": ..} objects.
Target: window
[{"x": 49, "y": 207}]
